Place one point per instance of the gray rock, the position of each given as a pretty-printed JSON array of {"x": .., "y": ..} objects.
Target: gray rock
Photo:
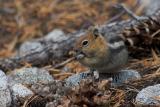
[
  {"x": 5, "y": 98},
  {"x": 125, "y": 75},
  {"x": 75, "y": 79},
  {"x": 56, "y": 35},
  {"x": 30, "y": 76},
  {"x": 20, "y": 92},
  {"x": 30, "y": 47},
  {"x": 120, "y": 77},
  {"x": 147, "y": 96},
  {"x": 117, "y": 78},
  {"x": 37, "y": 45}
]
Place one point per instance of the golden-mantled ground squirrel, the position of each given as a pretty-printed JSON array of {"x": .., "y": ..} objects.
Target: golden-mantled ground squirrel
[{"x": 105, "y": 54}]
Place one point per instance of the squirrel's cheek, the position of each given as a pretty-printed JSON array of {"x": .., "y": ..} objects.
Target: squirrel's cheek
[{"x": 85, "y": 61}]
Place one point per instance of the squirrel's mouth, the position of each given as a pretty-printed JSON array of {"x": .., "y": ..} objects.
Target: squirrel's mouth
[{"x": 80, "y": 55}]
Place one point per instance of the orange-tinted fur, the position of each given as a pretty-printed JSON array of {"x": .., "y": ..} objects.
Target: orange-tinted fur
[
  {"x": 99, "y": 54},
  {"x": 95, "y": 51}
]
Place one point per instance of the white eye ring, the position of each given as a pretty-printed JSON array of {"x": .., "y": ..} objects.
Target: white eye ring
[{"x": 85, "y": 43}]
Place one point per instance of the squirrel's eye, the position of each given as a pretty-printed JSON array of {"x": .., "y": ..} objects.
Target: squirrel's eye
[{"x": 85, "y": 42}]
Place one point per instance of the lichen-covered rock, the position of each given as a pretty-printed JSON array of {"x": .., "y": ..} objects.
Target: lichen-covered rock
[
  {"x": 20, "y": 93},
  {"x": 30, "y": 76},
  {"x": 149, "y": 96},
  {"x": 30, "y": 47},
  {"x": 56, "y": 35},
  {"x": 5, "y": 98},
  {"x": 117, "y": 78},
  {"x": 76, "y": 78},
  {"x": 125, "y": 75}
]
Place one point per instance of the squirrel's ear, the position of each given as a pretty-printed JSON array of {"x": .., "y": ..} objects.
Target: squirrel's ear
[{"x": 95, "y": 32}]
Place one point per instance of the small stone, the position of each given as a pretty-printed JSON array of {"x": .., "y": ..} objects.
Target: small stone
[
  {"x": 147, "y": 96},
  {"x": 56, "y": 35},
  {"x": 120, "y": 77},
  {"x": 30, "y": 76},
  {"x": 30, "y": 47},
  {"x": 41, "y": 89},
  {"x": 5, "y": 97},
  {"x": 117, "y": 78},
  {"x": 75, "y": 79},
  {"x": 19, "y": 92},
  {"x": 125, "y": 75}
]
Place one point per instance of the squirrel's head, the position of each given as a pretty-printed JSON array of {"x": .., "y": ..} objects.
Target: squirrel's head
[{"x": 91, "y": 47}]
